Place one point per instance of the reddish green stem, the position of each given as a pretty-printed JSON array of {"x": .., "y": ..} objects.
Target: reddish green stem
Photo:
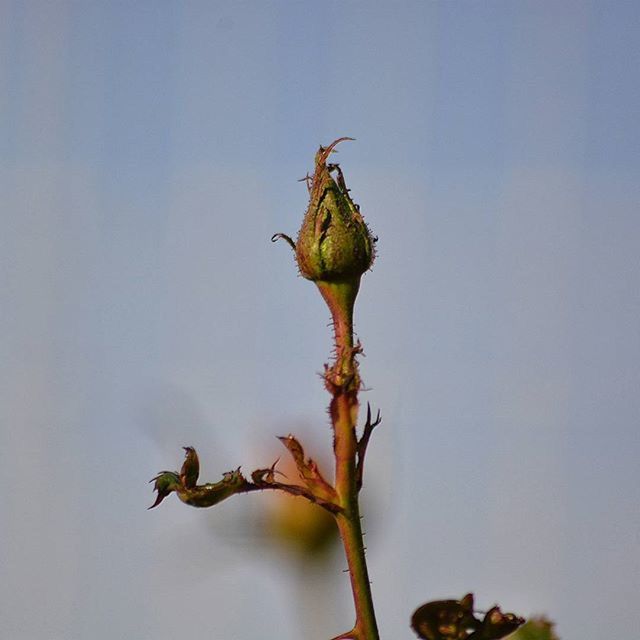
[{"x": 343, "y": 382}]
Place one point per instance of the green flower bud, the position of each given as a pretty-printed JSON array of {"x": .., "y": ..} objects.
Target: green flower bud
[
  {"x": 334, "y": 248},
  {"x": 334, "y": 243}
]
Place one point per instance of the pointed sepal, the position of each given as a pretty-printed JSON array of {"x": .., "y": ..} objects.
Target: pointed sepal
[
  {"x": 308, "y": 470},
  {"x": 190, "y": 468}
]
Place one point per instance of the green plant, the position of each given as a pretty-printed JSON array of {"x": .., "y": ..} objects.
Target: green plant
[{"x": 333, "y": 249}]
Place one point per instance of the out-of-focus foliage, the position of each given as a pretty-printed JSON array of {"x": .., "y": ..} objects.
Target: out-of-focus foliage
[
  {"x": 537, "y": 628},
  {"x": 304, "y": 526},
  {"x": 298, "y": 525}
]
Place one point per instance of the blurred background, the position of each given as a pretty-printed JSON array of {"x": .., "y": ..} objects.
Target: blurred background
[{"x": 149, "y": 150}]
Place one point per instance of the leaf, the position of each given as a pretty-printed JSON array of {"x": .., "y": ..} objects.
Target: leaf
[
  {"x": 455, "y": 620},
  {"x": 496, "y": 625},
  {"x": 165, "y": 483},
  {"x": 445, "y": 619}
]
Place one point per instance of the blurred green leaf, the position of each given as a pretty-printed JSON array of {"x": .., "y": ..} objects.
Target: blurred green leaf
[{"x": 538, "y": 628}]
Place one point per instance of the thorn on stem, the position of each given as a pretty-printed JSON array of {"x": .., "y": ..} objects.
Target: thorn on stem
[
  {"x": 348, "y": 635},
  {"x": 363, "y": 443},
  {"x": 309, "y": 180}
]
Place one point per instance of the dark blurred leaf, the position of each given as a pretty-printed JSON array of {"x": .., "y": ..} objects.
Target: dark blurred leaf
[
  {"x": 455, "y": 620},
  {"x": 445, "y": 619}
]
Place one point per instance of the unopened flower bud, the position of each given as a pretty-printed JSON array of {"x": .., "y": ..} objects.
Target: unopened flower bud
[
  {"x": 334, "y": 243},
  {"x": 333, "y": 249}
]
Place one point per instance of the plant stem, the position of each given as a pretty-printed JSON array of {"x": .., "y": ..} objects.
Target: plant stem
[
  {"x": 350, "y": 529},
  {"x": 343, "y": 382}
]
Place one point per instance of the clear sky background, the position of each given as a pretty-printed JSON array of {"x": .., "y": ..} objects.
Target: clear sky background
[{"x": 148, "y": 151}]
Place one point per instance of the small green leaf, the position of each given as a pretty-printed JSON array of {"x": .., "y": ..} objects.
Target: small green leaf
[
  {"x": 536, "y": 628},
  {"x": 165, "y": 483}
]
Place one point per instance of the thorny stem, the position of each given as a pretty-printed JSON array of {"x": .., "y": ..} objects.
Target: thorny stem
[
  {"x": 334, "y": 249},
  {"x": 343, "y": 382}
]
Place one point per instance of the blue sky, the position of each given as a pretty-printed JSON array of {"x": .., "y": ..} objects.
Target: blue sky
[{"x": 149, "y": 150}]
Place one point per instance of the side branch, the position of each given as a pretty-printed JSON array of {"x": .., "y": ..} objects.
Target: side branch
[
  {"x": 297, "y": 490},
  {"x": 184, "y": 484}
]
